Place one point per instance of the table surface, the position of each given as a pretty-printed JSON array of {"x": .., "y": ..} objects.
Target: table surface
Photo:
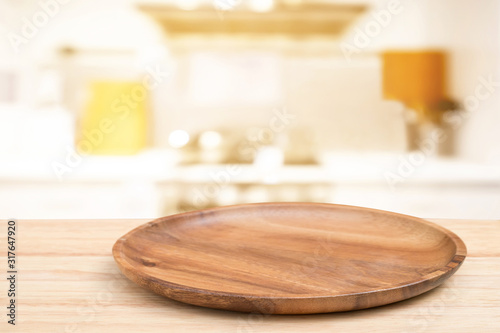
[{"x": 69, "y": 282}]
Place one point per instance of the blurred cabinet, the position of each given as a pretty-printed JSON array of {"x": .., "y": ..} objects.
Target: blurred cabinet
[
  {"x": 432, "y": 200},
  {"x": 139, "y": 192},
  {"x": 80, "y": 200}
]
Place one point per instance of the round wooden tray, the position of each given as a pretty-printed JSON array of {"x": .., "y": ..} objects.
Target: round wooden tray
[{"x": 289, "y": 258}]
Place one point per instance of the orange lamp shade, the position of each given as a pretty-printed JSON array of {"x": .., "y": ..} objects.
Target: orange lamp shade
[
  {"x": 114, "y": 121},
  {"x": 416, "y": 78}
]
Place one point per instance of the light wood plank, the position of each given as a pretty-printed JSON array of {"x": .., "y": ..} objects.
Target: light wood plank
[{"x": 68, "y": 282}]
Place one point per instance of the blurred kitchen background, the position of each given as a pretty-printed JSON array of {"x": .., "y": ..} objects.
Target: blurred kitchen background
[{"x": 128, "y": 108}]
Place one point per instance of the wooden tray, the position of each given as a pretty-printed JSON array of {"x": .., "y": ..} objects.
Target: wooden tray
[{"x": 289, "y": 258}]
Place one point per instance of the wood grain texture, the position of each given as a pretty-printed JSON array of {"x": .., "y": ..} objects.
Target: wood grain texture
[
  {"x": 289, "y": 258},
  {"x": 69, "y": 282}
]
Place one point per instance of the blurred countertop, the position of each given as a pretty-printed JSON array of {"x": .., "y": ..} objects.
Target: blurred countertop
[{"x": 159, "y": 165}]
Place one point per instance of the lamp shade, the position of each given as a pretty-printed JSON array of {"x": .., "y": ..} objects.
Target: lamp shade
[{"x": 416, "y": 78}]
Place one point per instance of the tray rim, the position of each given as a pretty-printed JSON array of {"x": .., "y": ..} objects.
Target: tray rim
[{"x": 136, "y": 276}]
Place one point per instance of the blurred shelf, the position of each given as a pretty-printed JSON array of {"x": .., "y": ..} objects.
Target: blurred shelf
[{"x": 299, "y": 19}]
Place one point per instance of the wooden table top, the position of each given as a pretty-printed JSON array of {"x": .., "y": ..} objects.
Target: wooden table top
[{"x": 69, "y": 282}]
